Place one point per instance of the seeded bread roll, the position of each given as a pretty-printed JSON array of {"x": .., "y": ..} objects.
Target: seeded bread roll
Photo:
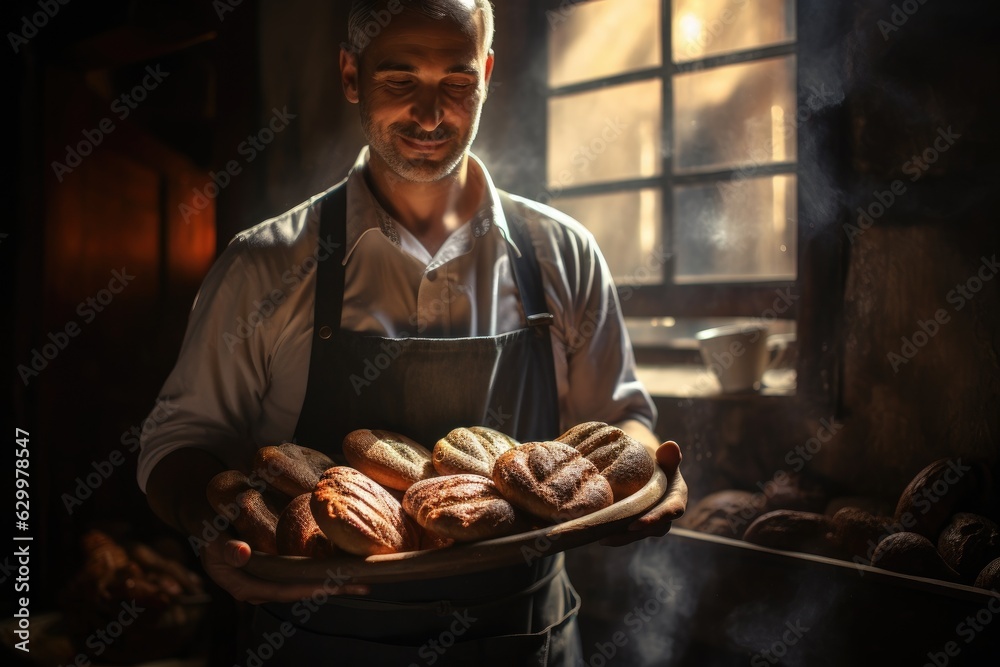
[
  {"x": 471, "y": 450},
  {"x": 359, "y": 516},
  {"x": 623, "y": 460},
  {"x": 391, "y": 459},
  {"x": 465, "y": 508},
  {"x": 290, "y": 468},
  {"x": 251, "y": 508},
  {"x": 297, "y": 533},
  {"x": 551, "y": 480}
]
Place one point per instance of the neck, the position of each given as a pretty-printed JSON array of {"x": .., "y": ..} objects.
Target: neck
[{"x": 429, "y": 211}]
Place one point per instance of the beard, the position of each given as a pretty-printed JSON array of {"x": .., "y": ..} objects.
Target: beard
[{"x": 384, "y": 141}]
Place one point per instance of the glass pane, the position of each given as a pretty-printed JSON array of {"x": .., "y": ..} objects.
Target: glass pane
[
  {"x": 735, "y": 115},
  {"x": 736, "y": 230},
  {"x": 602, "y": 38},
  {"x": 703, "y": 28},
  {"x": 627, "y": 228},
  {"x": 605, "y": 135}
]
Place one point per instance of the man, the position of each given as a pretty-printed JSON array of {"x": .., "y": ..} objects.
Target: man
[{"x": 416, "y": 297}]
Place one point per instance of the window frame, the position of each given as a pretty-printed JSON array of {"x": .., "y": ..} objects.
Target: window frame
[{"x": 688, "y": 299}]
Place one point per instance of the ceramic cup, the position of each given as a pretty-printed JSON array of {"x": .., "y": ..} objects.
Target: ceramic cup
[{"x": 738, "y": 355}]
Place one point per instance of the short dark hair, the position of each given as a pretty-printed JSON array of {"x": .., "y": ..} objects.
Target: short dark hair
[{"x": 366, "y": 14}]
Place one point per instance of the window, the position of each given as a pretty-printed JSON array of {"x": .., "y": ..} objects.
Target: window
[{"x": 671, "y": 135}]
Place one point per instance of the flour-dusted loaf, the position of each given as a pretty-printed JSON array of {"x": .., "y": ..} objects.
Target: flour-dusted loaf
[
  {"x": 623, "y": 460},
  {"x": 298, "y": 534},
  {"x": 551, "y": 480},
  {"x": 391, "y": 459},
  {"x": 249, "y": 505},
  {"x": 290, "y": 468},
  {"x": 471, "y": 450},
  {"x": 465, "y": 507},
  {"x": 359, "y": 516}
]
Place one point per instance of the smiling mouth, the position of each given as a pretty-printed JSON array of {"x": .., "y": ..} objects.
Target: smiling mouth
[{"x": 424, "y": 145}]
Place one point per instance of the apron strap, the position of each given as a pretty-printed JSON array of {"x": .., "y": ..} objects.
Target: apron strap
[
  {"x": 527, "y": 274},
  {"x": 327, "y": 313}
]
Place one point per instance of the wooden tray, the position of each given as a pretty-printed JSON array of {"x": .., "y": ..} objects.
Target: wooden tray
[{"x": 463, "y": 558}]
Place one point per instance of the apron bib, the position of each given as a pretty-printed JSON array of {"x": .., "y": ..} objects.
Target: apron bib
[{"x": 423, "y": 388}]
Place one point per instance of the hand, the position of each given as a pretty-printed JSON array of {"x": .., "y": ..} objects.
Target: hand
[
  {"x": 656, "y": 522},
  {"x": 223, "y": 560}
]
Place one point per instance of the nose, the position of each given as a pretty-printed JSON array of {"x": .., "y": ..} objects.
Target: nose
[{"x": 427, "y": 109}]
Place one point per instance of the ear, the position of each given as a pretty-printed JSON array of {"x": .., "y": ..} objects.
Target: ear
[
  {"x": 489, "y": 68},
  {"x": 349, "y": 74}
]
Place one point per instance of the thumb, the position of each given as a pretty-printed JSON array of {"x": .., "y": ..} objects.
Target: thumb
[
  {"x": 237, "y": 553},
  {"x": 668, "y": 456}
]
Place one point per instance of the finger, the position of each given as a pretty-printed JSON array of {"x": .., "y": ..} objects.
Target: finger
[
  {"x": 668, "y": 456},
  {"x": 237, "y": 553},
  {"x": 670, "y": 508}
]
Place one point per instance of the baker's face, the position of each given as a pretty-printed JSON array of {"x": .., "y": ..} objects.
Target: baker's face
[{"x": 421, "y": 84}]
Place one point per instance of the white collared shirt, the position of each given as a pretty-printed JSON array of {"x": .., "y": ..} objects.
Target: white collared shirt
[{"x": 240, "y": 379}]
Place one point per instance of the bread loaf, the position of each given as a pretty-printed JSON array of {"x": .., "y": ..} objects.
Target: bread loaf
[
  {"x": 989, "y": 578},
  {"x": 941, "y": 489},
  {"x": 290, "y": 468},
  {"x": 859, "y": 532},
  {"x": 913, "y": 554},
  {"x": 623, "y": 460},
  {"x": 470, "y": 450},
  {"x": 253, "y": 511},
  {"x": 390, "y": 459},
  {"x": 724, "y": 513},
  {"x": 968, "y": 543},
  {"x": 359, "y": 516},
  {"x": 465, "y": 508},
  {"x": 792, "y": 530},
  {"x": 297, "y": 533},
  {"x": 551, "y": 480}
]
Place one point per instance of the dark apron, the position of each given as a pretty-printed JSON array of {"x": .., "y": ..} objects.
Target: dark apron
[{"x": 423, "y": 388}]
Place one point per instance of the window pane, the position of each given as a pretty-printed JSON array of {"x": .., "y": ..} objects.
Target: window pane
[
  {"x": 627, "y": 228},
  {"x": 703, "y": 28},
  {"x": 736, "y": 115},
  {"x": 602, "y": 38},
  {"x": 736, "y": 230},
  {"x": 605, "y": 135}
]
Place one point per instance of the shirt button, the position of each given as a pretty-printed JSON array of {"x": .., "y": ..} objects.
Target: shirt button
[
  {"x": 325, "y": 332},
  {"x": 432, "y": 275}
]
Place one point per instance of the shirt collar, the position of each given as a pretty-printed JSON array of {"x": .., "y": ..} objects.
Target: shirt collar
[{"x": 365, "y": 214}]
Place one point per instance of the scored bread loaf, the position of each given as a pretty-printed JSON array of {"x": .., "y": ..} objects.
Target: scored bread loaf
[
  {"x": 298, "y": 534},
  {"x": 390, "y": 459},
  {"x": 359, "y": 516},
  {"x": 471, "y": 450},
  {"x": 290, "y": 468},
  {"x": 252, "y": 511},
  {"x": 551, "y": 480},
  {"x": 465, "y": 507},
  {"x": 623, "y": 460}
]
